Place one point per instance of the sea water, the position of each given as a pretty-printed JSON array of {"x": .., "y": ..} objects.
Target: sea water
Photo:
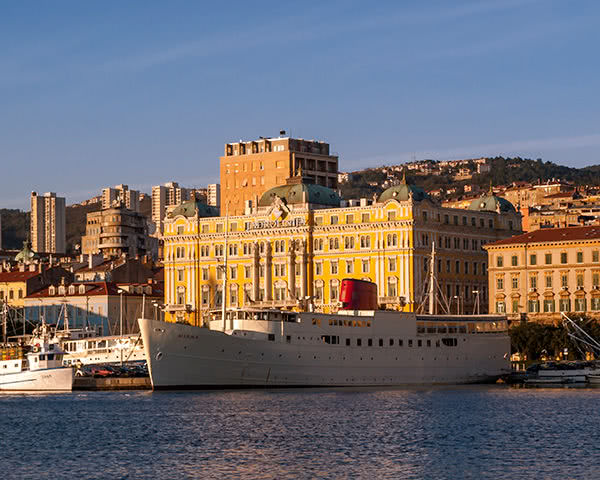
[{"x": 434, "y": 433}]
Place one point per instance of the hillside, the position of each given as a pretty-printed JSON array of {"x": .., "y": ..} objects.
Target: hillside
[
  {"x": 75, "y": 219},
  {"x": 504, "y": 171},
  {"x": 15, "y": 225}
]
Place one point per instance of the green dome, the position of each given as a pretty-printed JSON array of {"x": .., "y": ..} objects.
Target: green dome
[
  {"x": 293, "y": 194},
  {"x": 403, "y": 192},
  {"x": 491, "y": 203},
  {"x": 26, "y": 254},
  {"x": 188, "y": 209}
]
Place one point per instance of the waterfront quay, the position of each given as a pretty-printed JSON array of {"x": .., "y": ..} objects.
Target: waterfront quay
[{"x": 117, "y": 383}]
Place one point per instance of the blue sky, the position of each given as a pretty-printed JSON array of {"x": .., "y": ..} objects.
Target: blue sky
[{"x": 94, "y": 94}]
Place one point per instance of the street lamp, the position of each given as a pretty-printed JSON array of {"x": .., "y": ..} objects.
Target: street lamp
[
  {"x": 476, "y": 293},
  {"x": 121, "y": 291},
  {"x": 457, "y": 304},
  {"x": 155, "y": 304},
  {"x": 158, "y": 307}
]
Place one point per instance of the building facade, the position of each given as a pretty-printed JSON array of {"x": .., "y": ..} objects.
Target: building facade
[
  {"x": 296, "y": 249},
  {"x": 47, "y": 227},
  {"x": 116, "y": 232},
  {"x": 121, "y": 194},
  {"x": 18, "y": 282},
  {"x": 98, "y": 304},
  {"x": 540, "y": 274},
  {"x": 248, "y": 169}
]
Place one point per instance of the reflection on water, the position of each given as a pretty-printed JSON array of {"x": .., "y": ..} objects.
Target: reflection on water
[{"x": 450, "y": 432}]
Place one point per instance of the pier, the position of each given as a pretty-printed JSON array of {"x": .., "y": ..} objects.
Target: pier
[{"x": 113, "y": 383}]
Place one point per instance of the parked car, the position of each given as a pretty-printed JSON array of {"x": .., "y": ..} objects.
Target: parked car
[{"x": 102, "y": 371}]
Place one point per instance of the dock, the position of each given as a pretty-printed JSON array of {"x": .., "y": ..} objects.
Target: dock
[{"x": 112, "y": 383}]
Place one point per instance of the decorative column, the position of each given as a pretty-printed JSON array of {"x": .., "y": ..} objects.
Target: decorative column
[
  {"x": 268, "y": 272},
  {"x": 292, "y": 270},
  {"x": 255, "y": 271},
  {"x": 304, "y": 270}
]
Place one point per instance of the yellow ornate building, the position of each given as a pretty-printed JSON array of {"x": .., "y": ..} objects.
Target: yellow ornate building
[{"x": 295, "y": 250}]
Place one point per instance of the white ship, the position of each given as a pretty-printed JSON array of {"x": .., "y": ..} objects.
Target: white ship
[
  {"x": 35, "y": 367},
  {"x": 272, "y": 348},
  {"x": 358, "y": 346}
]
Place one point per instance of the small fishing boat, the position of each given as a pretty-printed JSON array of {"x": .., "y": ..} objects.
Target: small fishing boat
[
  {"x": 36, "y": 366},
  {"x": 560, "y": 372}
]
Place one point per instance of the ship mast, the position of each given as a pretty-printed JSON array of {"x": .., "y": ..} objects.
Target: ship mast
[
  {"x": 225, "y": 254},
  {"x": 431, "y": 281}
]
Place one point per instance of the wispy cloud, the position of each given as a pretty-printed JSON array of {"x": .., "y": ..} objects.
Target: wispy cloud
[
  {"x": 25, "y": 68},
  {"x": 520, "y": 147},
  {"x": 278, "y": 32}
]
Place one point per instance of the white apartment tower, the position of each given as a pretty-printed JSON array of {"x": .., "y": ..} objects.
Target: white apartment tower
[
  {"x": 47, "y": 227},
  {"x": 164, "y": 196},
  {"x": 213, "y": 196},
  {"x": 121, "y": 194}
]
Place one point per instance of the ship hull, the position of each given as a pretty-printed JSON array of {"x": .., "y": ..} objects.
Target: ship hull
[
  {"x": 182, "y": 356},
  {"x": 53, "y": 379}
]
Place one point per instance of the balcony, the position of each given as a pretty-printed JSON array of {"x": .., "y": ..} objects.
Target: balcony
[
  {"x": 395, "y": 300},
  {"x": 174, "y": 307}
]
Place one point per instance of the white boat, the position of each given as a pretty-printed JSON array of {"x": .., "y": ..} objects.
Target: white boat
[
  {"x": 577, "y": 372},
  {"x": 107, "y": 349},
  {"x": 562, "y": 372},
  {"x": 83, "y": 346},
  {"x": 35, "y": 367},
  {"x": 272, "y": 348}
]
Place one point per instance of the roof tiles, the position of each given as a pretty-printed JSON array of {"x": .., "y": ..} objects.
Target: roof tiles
[{"x": 546, "y": 235}]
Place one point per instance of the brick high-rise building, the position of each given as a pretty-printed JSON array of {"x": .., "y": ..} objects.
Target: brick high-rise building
[
  {"x": 250, "y": 168},
  {"x": 47, "y": 227}
]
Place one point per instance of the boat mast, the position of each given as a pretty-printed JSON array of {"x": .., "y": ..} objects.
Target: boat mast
[
  {"x": 432, "y": 280},
  {"x": 66, "y": 313},
  {"x": 225, "y": 254},
  {"x": 4, "y": 320}
]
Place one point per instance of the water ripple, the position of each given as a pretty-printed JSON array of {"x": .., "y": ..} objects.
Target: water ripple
[{"x": 441, "y": 433}]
